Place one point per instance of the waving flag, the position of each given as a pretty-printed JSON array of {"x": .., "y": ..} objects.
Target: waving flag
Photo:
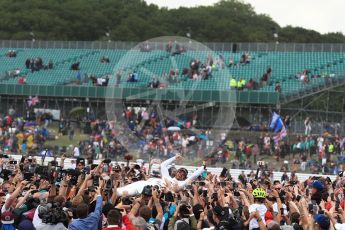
[
  {"x": 276, "y": 123},
  {"x": 33, "y": 101},
  {"x": 278, "y": 127}
]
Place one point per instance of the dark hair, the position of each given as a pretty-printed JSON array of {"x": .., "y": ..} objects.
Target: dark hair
[
  {"x": 82, "y": 210},
  {"x": 114, "y": 217},
  {"x": 145, "y": 212}
]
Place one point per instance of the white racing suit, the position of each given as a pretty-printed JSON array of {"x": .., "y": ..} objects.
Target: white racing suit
[{"x": 137, "y": 187}]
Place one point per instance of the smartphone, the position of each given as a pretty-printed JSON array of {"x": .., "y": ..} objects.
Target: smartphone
[
  {"x": 28, "y": 176},
  {"x": 214, "y": 196},
  {"x": 237, "y": 193},
  {"x": 310, "y": 208},
  {"x": 95, "y": 181},
  {"x": 189, "y": 187},
  {"x": 204, "y": 193},
  {"x": 307, "y": 192},
  {"x": 13, "y": 162},
  {"x": 332, "y": 196},
  {"x": 201, "y": 183},
  {"x": 224, "y": 172},
  {"x": 337, "y": 203}
]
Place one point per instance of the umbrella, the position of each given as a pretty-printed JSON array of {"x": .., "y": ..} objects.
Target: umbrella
[
  {"x": 174, "y": 128},
  {"x": 77, "y": 111}
]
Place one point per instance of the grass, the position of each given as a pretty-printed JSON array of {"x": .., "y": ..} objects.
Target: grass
[{"x": 64, "y": 140}]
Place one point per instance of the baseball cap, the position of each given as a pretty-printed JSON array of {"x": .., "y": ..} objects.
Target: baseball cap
[
  {"x": 322, "y": 220},
  {"x": 116, "y": 168},
  {"x": 7, "y": 217},
  {"x": 218, "y": 211},
  {"x": 318, "y": 185}
]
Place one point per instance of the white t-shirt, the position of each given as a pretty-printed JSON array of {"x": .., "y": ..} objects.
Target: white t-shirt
[
  {"x": 275, "y": 208},
  {"x": 262, "y": 210},
  {"x": 76, "y": 152}
]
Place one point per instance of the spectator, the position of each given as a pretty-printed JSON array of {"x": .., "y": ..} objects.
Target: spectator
[
  {"x": 85, "y": 220},
  {"x": 75, "y": 66},
  {"x": 277, "y": 88},
  {"x": 104, "y": 59},
  {"x": 22, "y": 80},
  {"x": 307, "y": 126}
]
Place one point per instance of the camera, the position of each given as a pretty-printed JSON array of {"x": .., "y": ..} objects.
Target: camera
[{"x": 52, "y": 214}]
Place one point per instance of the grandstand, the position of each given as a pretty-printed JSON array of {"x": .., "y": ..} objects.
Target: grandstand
[{"x": 325, "y": 69}]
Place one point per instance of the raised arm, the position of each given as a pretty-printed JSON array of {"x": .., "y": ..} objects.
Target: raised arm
[
  {"x": 164, "y": 167},
  {"x": 194, "y": 175}
]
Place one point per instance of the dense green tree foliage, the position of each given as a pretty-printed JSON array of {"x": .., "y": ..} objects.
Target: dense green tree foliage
[{"x": 135, "y": 20}]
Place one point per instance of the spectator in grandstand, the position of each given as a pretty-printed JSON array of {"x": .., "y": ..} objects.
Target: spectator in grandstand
[
  {"x": 277, "y": 88},
  {"x": 21, "y": 80},
  {"x": 154, "y": 83},
  {"x": 169, "y": 46},
  {"x": 78, "y": 77},
  {"x": 118, "y": 77},
  {"x": 11, "y": 53},
  {"x": 133, "y": 77},
  {"x": 27, "y": 63},
  {"x": 231, "y": 62},
  {"x": 264, "y": 79},
  {"x": 104, "y": 59},
  {"x": 250, "y": 84},
  {"x": 13, "y": 73},
  {"x": 75, "y": 66},
  {"x": 233, "y": 83},
  {"x": 50, "y": 64},
  {"x": 269, "y": 71}
]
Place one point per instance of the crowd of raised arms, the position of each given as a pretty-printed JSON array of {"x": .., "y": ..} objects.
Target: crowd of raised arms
[{"x": 131, "y": 196}]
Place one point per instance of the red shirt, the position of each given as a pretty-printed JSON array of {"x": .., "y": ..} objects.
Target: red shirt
[{"x": 125, "y": 221}]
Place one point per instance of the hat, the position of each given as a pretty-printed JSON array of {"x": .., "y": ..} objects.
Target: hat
[
  {"x": 116, "y": 168},
  {"x": 218, "y": 211},
  {"x": 318, "y": 185},
  {"x": 322, "y": 220},
  {"x": 80, "y": 161},
  {"x": 7, "y": 217}
]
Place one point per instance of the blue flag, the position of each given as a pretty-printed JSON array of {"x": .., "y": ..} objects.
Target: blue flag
[{"x": 276, "y": 123}]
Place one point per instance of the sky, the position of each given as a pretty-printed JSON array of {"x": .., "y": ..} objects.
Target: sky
[{"x": 321, "y": 15}]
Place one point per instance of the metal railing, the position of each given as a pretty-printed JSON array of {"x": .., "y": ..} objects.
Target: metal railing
[{"x": 231, "y": 46}]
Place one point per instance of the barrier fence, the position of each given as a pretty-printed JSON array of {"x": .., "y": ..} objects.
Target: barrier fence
[{"x": 231, "y": 46}]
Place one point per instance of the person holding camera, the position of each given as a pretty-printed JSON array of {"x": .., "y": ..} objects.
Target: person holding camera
[
  {"x": 183, "y": 218},
  {"x": 85, "y": 220}
]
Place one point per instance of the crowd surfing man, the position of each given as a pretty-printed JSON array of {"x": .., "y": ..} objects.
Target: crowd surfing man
[
  {"x": 176, "y": 179},
  {"x": 56, "y": 197}
]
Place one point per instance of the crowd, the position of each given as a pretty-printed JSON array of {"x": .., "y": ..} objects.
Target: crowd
[
  {"x": 20, "y": 134},
  {"x": 36, "y": 64},
  {"x": 150, "y": 137},
  {"x": 109, "y": 196}
]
